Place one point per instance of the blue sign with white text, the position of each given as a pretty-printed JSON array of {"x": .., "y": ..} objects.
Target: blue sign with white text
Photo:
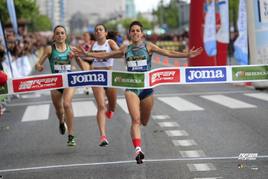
[
  {"x": 205, "y": 74},
  {"x": 92, "y": 78}
]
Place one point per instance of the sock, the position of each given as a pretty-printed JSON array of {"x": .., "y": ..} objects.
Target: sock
[{"x": 136, "y": 142}]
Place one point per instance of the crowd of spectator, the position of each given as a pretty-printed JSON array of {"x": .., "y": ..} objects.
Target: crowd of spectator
[{"x": 24, "y": 49}]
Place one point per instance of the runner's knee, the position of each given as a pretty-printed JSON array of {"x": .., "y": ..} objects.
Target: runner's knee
[
  {"x": 67, "y": 106},
  {"x": 136, "y": 121}
]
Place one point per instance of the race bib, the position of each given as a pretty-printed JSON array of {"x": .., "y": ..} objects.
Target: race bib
[
  {"x": 62, "y": 68},
  {"x": 137, "y": 65}
]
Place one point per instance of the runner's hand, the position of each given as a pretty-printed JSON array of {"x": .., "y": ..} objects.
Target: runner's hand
[
  {"x": 195, "y": 52},
  {"x": 39, "y": 67},
  {"x": 78, "y": 51}
]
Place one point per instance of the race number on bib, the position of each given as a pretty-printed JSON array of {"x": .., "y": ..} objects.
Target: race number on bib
[
  {"x": 62, "y": 68},
  {"x": 137, "y": 65}
]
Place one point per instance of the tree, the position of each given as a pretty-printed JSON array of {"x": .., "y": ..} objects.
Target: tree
[
  {"x": 168, "y": 14},
  {"x": 112, "y": 25},
  {"x": 41, "y": 23},
  {"x": 28, "y": 10},
  {"x": 233, "y": 13}
]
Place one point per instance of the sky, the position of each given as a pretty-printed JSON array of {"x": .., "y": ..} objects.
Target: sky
[{"x": 148, "y": 5}]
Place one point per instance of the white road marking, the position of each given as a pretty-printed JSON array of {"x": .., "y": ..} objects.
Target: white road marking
[
  {"x": 201, "y": 167},
  {"x": 184, "y": 143},
  {"x": 160, "y": 117},
  {"x": 33, "y": 95},
  {"x": 180, "y": 104},
  {"x": 36, "y": 113},
  {"x": 84, "y": 108},
  {"x": 123, "y": 104},
  {"x": 210, "y": 178},
  {"x": 261, "y": 96},
  {"x": 228, "y": 102},
  {"x": 122, "y": 162},
  {"x": 192, "y": 153},
  {"x": 168, "y": 124},
  {"x": 83, "y": 90},
  {"x": 174, "y": 133}
]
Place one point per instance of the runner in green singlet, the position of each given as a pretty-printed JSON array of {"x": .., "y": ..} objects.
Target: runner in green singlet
[{"x": 59, "y": 54}]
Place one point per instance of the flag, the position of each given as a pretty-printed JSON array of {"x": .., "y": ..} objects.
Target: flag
[
  {"x": 12, "y": 14},
  {"x": 210, "y": 29},
  {"x": 8, "y": 55},
  {"x": 241, "y": 43},
  {"x": 223, "y": 32},
  {"x": 2, "y": 36}
]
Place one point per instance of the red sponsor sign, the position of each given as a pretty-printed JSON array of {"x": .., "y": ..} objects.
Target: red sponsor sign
[
  {"x": 164, "y": 76},
  {"x": 37, "y": 83}
]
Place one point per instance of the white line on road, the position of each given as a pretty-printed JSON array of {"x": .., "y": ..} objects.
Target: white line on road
[
  {"x": 261, "y": 96},
  {"x": 184, "y": 143},
  {"x": 123, "y": 162},
  {"x": 192, "y": 153},
  {"x": 36, "y": 113},
  {"x": 123, "y": 104},
  {"x": 210, "y": 178},
  {"x": 180, "y": 104},
  {"x": 160, "y": 117},
  {"x": 84, "y": 108},
  {"x": 176, "y": 133},
  {"x": 201, "y": 167},
  {"x": 168, "y": 124},
  {"x": 228, "y": 102}
]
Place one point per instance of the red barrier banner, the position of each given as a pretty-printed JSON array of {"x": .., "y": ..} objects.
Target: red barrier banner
[{"x": 37, "y": 83}]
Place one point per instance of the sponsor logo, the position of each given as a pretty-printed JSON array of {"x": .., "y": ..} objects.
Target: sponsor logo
[
  {"x": 247, "y": 156},
  {"x": 94, "y": 78},
  {"x": 128, "y": 79},
  {"x": 164, "y": 76},
  {"x": 37, "y": 83},
  {"x": 120, "y": 79},
  {"x": 241, "y": 74},
  {"x": 205, "y": 74},
  {"x": 250, "y": 73}
]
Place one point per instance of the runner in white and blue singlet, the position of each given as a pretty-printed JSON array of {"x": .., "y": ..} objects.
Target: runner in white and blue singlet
[{"x": 102, "y": 44}]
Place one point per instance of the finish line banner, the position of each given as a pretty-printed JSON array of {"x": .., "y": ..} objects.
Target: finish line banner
[{"x": 150, "y": 79}]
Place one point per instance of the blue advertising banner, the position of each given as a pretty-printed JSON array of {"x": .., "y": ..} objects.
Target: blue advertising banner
[
  {"x": 197, "y": 75},
  {"x": 92, "y": 78}
]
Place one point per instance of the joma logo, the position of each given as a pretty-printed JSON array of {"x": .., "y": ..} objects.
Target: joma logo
[
  {"x": 87, "y": 78},
  {"x": 205, "y": 74}
]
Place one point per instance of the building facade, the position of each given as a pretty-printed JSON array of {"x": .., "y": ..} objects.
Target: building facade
[{"x": 86, "y": 12}]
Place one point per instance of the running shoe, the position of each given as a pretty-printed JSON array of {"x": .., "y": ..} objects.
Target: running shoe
[
  {"x": 103, "y": 141},
  {"x": 109, "y": 114},
  {"x": 139, "y": 155},
  {"x": 71, "y": 141},
  {"x": 62, "y": 128}
]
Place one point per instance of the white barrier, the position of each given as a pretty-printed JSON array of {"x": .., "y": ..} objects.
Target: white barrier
[{"x": 150, "y": 79}]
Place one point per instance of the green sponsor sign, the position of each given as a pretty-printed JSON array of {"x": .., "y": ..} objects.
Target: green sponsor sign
[
  {"x": 135, "y": 80},
  {"x": 250, "y": 73}
]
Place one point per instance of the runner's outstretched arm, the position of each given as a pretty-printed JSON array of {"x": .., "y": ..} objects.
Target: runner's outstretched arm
[
  {"x": 119, "y": 53},
  {"x": 175, "y": 54},
  {"x": 39, "y": 65}
]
